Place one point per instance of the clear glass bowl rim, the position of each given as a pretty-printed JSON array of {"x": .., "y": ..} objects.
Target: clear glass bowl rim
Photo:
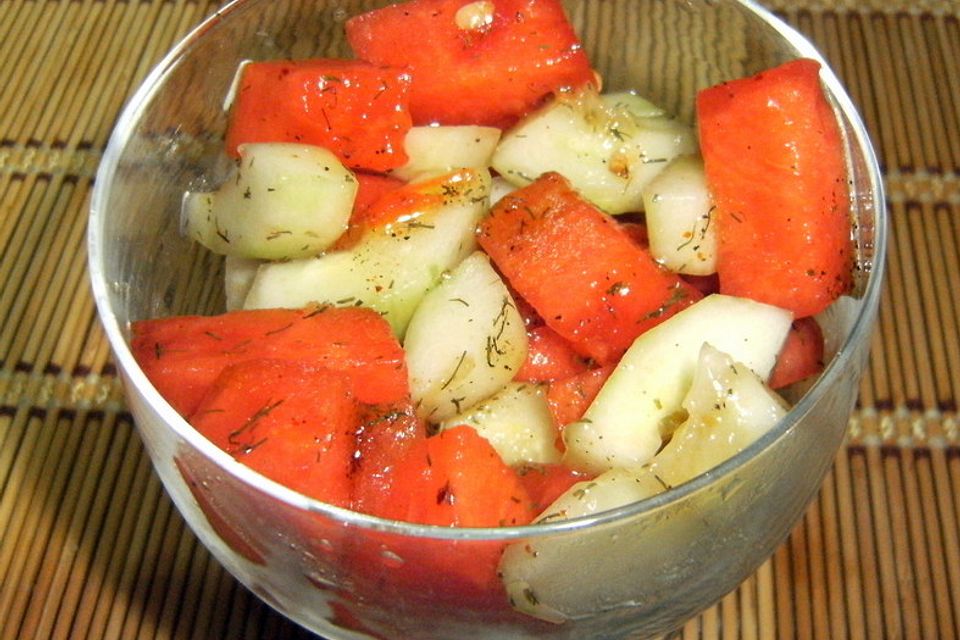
[{"x": 862, "y": 326}]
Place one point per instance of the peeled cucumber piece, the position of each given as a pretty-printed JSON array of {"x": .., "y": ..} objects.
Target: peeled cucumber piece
[
  {"x": 499, "y": 188},
  {"x": 640, "y": 403},
  {"x": 238, "y": 275},
  {"x": 633, "y": 102},
  {"x": 611, "y": 489},
  {"x": 465, "y": 340},
  {"x": 285, "y": 201},
  {"x": 391, "y": 268},
  {"x": 556, "y": 577},
  {"x": 679, "y": 220},
  {"x": 436, "y": 150},
  {"x": 608, "y": 147},
  {"x": 516, "y": 421},
  {"x": 729, "y": 408}
]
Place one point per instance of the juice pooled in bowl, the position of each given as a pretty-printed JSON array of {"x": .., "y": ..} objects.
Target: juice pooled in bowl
[{"x": 469, "y": 288}]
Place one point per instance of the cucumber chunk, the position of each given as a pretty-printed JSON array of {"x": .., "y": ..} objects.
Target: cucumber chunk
[
  {"x": 641, "y": 401},
  {"x": 391, "y": 268},
  {"x": 238, "y": 275},
  {"x": 729, "y": 407},
  {"x": 633, "y": 102},
  {"x": 285, "y": 201},
  {"x": 516, "y": 421},
  {"x": 679, "y": 218},
  {"x": 440, "y": 149},
  {"x": 465, "y": 340},
  {"x": 608, "y": 150}
]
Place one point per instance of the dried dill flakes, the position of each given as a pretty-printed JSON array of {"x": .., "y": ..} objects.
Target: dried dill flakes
[
  {"x": 647, "y": 160},
  {"x": 415, "y": 224},
  {"x": 617, "y": 132},
  {"x": 273, "y": 235},
  {"x": 582, "y": 492},
  {"x": 449, "y": 190},
  {"x": 456, "y": 370},
  {"x": 500, "y": 322},
  {"x": 240, "y": 347},
  {"x": 317, "y": 310},
  {"x": 530, "y": 597},
  {"x": 660, "y": 481},
  {"x": 279, "y": 329},
  {"x": 234, "y": 437}
]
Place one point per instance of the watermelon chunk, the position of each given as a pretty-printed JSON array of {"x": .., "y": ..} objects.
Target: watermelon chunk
[
  {"x": 386, "y": 435},
  {"x": 801, "y": 355},
  {"x": 182, "y": 356},
  {"x": 582, "y": 273},
  {"x": 292, "y": 422},
  {"x": 549, "y": 357},
  {"x": 484, "y": 63},
  {"x": 355, "y": 109},
  {"x": 775, "y": 167},
  {"x": 547, "y": 482},
  {"x": 370, "y": 188},
  {"x": 458, "y": 479},
  {"x": 569, "y": 398}
]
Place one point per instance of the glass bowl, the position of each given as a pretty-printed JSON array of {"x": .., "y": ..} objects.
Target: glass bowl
[{"x": 638, "y": 571}]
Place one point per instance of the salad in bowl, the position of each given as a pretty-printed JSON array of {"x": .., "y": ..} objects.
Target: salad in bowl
[{"x": 493, "y": 335}]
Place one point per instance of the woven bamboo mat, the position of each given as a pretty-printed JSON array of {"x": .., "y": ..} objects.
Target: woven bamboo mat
[{"x": 90, "y": 546}]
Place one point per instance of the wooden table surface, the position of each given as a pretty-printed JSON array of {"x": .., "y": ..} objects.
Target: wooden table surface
[{"x": 91, "y": 547}]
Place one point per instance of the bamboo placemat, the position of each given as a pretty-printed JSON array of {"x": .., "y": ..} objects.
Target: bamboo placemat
[{"x": 90, "y": 546}]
